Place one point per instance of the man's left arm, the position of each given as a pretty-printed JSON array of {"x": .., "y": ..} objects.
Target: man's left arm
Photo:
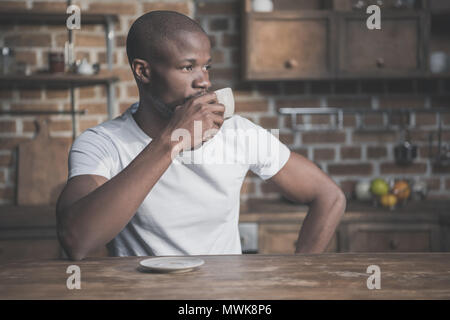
[{"x": 300, "y": 180}]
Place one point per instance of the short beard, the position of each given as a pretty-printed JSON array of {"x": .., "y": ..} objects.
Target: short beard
[{"x": 163, "y": 109}]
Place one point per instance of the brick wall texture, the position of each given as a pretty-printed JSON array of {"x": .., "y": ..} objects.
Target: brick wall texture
[{"x": 347, "y": 155}]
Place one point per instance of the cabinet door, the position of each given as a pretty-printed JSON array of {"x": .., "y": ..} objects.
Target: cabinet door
[
  {"x": 439, "y": 4},
  {"x": 288, "y": 45},
  {"x": 445, "y": 234},
  {"x": 376, "y": 237},
  {"x": 397, "y": 48},
  {"x": 282, "y": 238}
]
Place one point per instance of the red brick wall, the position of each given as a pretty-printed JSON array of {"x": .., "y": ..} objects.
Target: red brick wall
[{"x": 347, "y": 155}]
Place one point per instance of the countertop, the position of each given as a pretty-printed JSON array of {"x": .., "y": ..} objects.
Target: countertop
[
  {"x": 42, "y": 216},
  {"x": 437, "y": 211},
  {"x": 285, "y": 206},
  {"x": 245, "y": 277}
]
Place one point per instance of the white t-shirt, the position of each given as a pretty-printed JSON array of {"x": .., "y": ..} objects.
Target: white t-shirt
[{"x": 193, "y": 209}]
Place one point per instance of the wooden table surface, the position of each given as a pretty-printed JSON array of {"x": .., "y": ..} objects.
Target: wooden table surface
[{"x": 246, "y": 277}]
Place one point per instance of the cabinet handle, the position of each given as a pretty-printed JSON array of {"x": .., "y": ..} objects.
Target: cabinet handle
[
  {"x": 393, "y": 244},
  {"x": 291, "y": 63},
  {"x": 380, "y": 63}
]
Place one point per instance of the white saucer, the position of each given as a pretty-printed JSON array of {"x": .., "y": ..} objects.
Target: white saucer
[{"x": 171, "y": 264}]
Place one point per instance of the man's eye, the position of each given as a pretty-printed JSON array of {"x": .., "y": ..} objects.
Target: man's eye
[
  {"x": 187, "y": 68},
  {"x": 208, "y": 67}
]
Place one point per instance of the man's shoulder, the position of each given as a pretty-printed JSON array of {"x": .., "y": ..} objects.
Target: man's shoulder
[
  {"x": 110, "y": 127},
  {"x": 106, "y": 131}
]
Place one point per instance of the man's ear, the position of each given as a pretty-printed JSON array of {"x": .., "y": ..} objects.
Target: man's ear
[{"x": 141, "y": 70}]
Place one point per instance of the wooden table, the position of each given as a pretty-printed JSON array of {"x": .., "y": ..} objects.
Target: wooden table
[{"x": 246, "y": 277}]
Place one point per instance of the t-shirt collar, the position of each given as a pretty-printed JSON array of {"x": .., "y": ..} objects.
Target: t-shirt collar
[{"x": 129, "y": 114}]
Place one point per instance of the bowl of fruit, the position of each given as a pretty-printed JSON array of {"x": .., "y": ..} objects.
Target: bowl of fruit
[{"x": 390, "y": 194}]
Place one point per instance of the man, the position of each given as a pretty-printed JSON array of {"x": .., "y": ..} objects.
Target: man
[{"x": 131, "y": 186}]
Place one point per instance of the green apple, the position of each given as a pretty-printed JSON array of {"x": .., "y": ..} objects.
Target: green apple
[{"x": 379, "y": 187}]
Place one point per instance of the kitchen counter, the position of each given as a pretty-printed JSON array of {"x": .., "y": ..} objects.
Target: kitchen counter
[
  {"x": 30, "y": 231},
  {"x": 40, "y": 216},
  {"x": 283, "y": 210},
  {"x": 419, "y": 226},
  {"x": 354, "y": 207},
  {"x": 259, "y": 277}
]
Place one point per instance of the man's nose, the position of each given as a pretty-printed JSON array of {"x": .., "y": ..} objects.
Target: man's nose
[{"x": 202, "y": 80}]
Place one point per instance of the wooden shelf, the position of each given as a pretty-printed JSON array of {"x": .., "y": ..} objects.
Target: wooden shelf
[
  {"x": 59, "y": 81},
  {"x": 65, "y": 81},
  {"x": 30, "y": 17},
  {"x": 56, "y": 80}
]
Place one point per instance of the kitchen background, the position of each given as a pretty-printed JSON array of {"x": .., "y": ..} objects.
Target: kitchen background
[{"x": 330, "y": 71}]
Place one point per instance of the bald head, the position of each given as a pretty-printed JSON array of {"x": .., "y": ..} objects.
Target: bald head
[{"x": 149, "y": 34}]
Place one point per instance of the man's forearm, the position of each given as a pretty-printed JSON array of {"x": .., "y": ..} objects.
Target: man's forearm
[
  {"x": 95, "y": 219},
  {"x": 320, "y": 223}
]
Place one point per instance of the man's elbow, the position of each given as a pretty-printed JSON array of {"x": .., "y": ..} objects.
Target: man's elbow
[
  {"x": 75, "y": 254},
  {"x": 340, "y": 200},
  {"x": 70, "y": 244},
  {"x": 333, "y": 196}
]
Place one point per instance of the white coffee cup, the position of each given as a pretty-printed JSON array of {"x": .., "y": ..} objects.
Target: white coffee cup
[{"x": 225, "y": 97}]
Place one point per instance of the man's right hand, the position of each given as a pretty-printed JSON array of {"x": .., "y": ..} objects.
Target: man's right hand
[{"x": 206, "y": 110}]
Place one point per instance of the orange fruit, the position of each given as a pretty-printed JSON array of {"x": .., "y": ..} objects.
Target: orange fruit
[
  {"x": 388, "y": 200},
  {"x": 402, "y": 190}
]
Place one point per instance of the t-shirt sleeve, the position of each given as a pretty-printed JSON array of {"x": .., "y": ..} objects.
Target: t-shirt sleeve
[
  {"x": 91, "y": 153},
  {"x": 268, "y": 153}
]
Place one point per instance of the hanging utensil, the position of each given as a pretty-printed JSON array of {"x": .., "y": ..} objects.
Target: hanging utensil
[{"x": 405, "y": 152}]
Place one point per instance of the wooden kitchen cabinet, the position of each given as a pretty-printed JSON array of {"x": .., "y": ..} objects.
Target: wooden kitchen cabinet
[
  {"x": 358, "y": 236},
  {"x": 376, "y": 52},
  {"x": 282, "y": 238},
  {"x": 391, "y": 237},
  {"x": 445, "y": 232},
  {"x": 417, "y": 227},
  {"x": 329, "y": 44},
  {"x": 35, "y": 248},
  {"x": 288, "y": 44},
  {"x": 29, "y": 232}
]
